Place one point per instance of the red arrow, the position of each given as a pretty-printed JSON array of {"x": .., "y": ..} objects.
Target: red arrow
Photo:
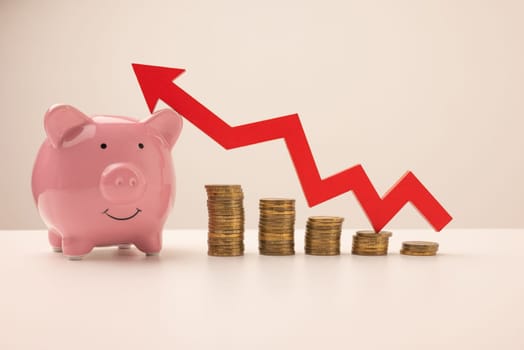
[{"x": 157, "y": 84}]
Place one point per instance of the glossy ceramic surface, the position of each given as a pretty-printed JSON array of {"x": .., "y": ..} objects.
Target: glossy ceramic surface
[{"x": 105, "y": 180}]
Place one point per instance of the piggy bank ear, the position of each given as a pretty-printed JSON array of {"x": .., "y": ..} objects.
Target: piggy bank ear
[
  {"x": 62, "y": 122},
  {"x": 167, "y": 123}
]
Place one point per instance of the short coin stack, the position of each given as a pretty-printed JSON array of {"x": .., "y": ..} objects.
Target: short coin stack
[
  {"x": 419, "y": 248},
  {"x": 276, "y": 226},
  {"x": 323, "y": 235},
  {"x": 370, "y": 243},
  {"x": 226, "y": 220}
]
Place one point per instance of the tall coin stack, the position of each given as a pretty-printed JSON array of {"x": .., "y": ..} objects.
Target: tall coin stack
[
  {"x": 323, "y": 235},
  {"x": 370, "y": 243},
  {"x": 226, "y": 220},
  {"x": 419, "y": 248},
  {"x": 276, "y": 226}
]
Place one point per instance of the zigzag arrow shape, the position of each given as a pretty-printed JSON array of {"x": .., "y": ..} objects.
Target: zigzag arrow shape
[{"x": 157, "y": 84}]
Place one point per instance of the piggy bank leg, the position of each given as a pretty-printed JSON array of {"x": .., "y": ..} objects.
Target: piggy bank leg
[
  {"x": 55, "y": 239},
  {"x": 151, "y": 245},
  {"x": 75, "y": 248}
]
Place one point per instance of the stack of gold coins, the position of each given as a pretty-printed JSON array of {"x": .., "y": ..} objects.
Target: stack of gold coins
[
  {"x": 370, "y": 243},
  {"x": 419, "y": 248},
  {"x": 323, "y": 235},
  {"x": 226, "y": 220},
  {"x": 276, "y": 226}
]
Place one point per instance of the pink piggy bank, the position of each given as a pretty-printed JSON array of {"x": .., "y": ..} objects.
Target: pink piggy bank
[{"x": 105, "y": 180}]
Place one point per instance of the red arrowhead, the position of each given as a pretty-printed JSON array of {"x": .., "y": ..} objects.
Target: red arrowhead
[{"x": 153, "y": 81}]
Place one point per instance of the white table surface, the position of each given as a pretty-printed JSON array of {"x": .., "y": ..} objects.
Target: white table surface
[{"x": 470, "y": 296}]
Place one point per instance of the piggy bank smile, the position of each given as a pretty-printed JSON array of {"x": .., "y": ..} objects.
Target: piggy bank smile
[{"x": 106, "y": 212}]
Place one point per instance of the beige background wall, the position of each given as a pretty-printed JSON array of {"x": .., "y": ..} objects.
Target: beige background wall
[{"x": 432, "y": 86}]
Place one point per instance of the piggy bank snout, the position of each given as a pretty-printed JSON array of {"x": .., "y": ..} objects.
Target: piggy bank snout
[{"x": 122, "y": 183}]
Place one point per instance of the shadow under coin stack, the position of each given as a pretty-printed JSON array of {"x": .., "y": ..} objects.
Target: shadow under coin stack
[
  {"x": 323, "y": 235},
  {"x": 419, "y": 248},
  {"x": 226, "y": 220},
  {"x": 276, "y": 226},
  {"x": 370, "y": 243}
]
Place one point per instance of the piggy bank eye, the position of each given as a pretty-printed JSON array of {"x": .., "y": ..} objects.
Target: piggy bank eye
[
  {"x": 140, "y": 145},
  {"x": 103, "y": 146}
]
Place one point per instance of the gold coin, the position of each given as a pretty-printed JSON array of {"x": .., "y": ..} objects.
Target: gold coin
[
  {"x": 369, "y": 253},
  {"x": 370, "y": 233},
  {"x": 419, "y": 248},
  {"x": 370, "y": 247},
  {"x": 289, "y": 231},
  {"x": 275, "y": 244},
  {"x": 286, "y": 253},
  {"x": 322, "y": 241},
  {"x": 404, "y": 252},
  {"x": 239, "y": 238},
  {"x": 225, "y": 229},
  {"x": 225, "y": 200},
  {"x": 264, "y": 220},
  {"x": 277, "y": 200},
  {"x": 226, "y": 209},
  {"x": 225, "y": 240},
  {"x": 226, "y": 234},
  {"x": 325, "y": 219},
  {"x": 282, "y": 248},
  {"x": 420, "y": 244},
  {"x": 214, "y": 196},
  {"x": 223, "y": 189},
  {"x": 370, "y": 243},
  {"x": 284, "y": 230},
  {"x": 337, "y": 228},
  {"x": 321, "y": 252},
  {"x": 276, "y": 205},
  {"x": 287, "y": 226},
  {"x": 225, "y": 254},
  {"x": 225, "y": 221},
  {"x": 231, "y": 225},
  {"x": 226, "y": 246},
  {"x": 275, "y": 208},
  {"x": 273, "y": 236},
  {"x": 331, "y": 245},
  {"x": 326, "y": 236},
  {"x": 323, "y": 234},
  {"x": 275, "y": 222}
]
